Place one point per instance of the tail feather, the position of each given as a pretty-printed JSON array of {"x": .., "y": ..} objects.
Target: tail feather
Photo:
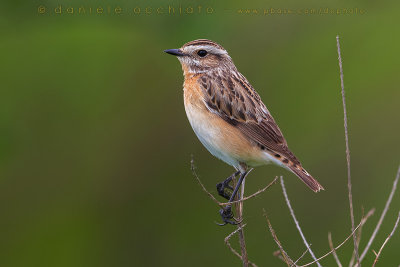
[
  {"x": 289, "y": 160},
  {"x": 306, "y": 177}
]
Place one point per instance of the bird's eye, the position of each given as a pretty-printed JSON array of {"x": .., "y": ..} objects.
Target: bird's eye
[{"x": 202, "y": 53}]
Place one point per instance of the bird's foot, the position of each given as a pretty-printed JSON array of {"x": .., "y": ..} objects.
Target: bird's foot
[
  {"x": 225, "y": 185},
  {"x": 227, "y": 216}
]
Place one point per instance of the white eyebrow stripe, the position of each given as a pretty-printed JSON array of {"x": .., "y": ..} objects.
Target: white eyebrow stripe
[{"x": 209, "y": 48}]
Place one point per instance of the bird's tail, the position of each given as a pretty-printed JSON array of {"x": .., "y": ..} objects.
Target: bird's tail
[{"x": 305, "y": 177}]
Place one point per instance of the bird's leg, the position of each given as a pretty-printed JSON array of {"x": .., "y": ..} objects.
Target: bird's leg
[
  {"x": 225, "y": 184},
  {"x": 226, "y": 212}
]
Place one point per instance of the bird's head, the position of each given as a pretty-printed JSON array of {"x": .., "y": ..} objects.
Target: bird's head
[{"x": 201, "y": 56}]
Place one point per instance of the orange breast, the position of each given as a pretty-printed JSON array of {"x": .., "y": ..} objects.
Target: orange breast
[{"x": 222, "y": 139}]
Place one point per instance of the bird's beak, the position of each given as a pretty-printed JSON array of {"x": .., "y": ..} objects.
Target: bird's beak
[{"x": 175, "y": 52}]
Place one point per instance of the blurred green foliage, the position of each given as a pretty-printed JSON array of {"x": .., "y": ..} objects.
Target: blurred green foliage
[{"x": 95, "y": 146}]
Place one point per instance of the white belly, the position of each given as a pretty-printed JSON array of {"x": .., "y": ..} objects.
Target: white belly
[{"x": 209, "y": 135}]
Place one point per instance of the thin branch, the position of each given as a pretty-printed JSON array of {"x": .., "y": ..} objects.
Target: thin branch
[
  {"x": 239, "y": 208},
  {"x": 387, "y": 239},
  {"x": 359, "y": 231},
  {"x": 378, "y": 226},
  {"x": 363, "y": 221},
  {"x": 302, "y": 255},
  {"x": 347, "y": 151},
  {"x": 333, "y": 250},
  {"x": 278, "y": 254},
  {"x": 240, "y": 198},
  {"x": 359, "y": 234},
  {"x": 252, "y": 195},
  {"x": 221, "y": 204},
  {"x": 239, "y": 212},
  {"x": 230, "y": 246},
  {"x": 296, "y": 222},
  {"x": 192, "y": 167},
  {"x": 286, "y": 257}
]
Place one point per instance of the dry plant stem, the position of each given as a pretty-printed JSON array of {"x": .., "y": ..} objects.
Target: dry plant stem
[
  {"x": 278, "y": 254},
  {"x": 363, "y": 221},
  {"x": 359, "y": 232},
  {"x": 239, "y": 212},
  {"x": 230, "y": 246},
  {"x": 221, "y": 204},
  {"x": 252, "y": 195},
  {"x": 334, "y": 250},
  {"x": 286, "y": 257},
  {"x": 347, "y": 152},
  {"x": 387, "y": 239},
  {"x": 192, "y": 167},
  {"x": 378, "y": 226},
  {"x": 366, "y": 217},
  {"x": 302, "y": 255},
  {"x": 296, "y": 222},
  {"x": 353, "y": 256}
]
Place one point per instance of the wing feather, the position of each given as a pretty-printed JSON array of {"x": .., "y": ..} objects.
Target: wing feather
[{"x": 236, "y": 101}]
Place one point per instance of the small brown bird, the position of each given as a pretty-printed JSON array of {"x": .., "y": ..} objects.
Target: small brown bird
[{"x": 229, "y": 118}]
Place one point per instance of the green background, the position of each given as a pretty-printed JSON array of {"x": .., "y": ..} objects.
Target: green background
[{"x": 95, "y": 146}]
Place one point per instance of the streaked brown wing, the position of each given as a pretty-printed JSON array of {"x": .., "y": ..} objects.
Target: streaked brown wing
[{"x": 236, "y": 101}]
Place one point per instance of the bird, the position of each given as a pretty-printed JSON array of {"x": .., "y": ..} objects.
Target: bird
[{"x": 230, "y": 119}]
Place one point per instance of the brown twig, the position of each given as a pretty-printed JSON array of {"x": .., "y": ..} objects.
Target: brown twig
[
  {"x": 363, "y": 221},
  {"x": 278, "y": 254},
  {"x": 286, "y": 257},
  {"x": 297, "y": 222},
  {"x": 347, "y": 152},
  {"x": 387, "y": 239},
  {"x": 252, "y": 195},
  {"x": 359, "y": 233},
  {"x": 238, "y": 203},
  {"x": 192, "y": 167},
  {"x": 378, "y": 226},
  {"x": 333, "y": 250},
  {"x": 239, "y": 212},
  {"x": 230, "y": 246},
  {"x": 302, "y": 255}
]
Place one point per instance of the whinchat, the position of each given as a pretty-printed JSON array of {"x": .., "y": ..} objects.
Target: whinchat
[{"x": 229, "y": 118}]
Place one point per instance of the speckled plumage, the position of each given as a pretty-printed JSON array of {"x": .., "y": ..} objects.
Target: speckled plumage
[{"x": 228, "y": 116}]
